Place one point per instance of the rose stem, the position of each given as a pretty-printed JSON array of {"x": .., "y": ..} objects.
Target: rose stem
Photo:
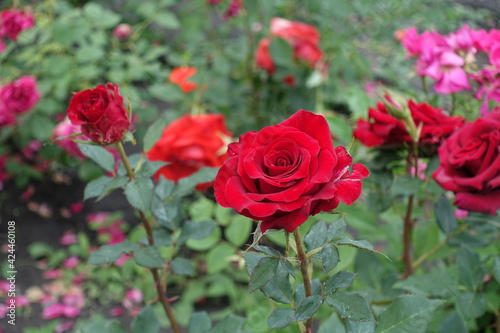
[
  {"x": 156, "y": 276},
  {"x": 301, "y": 255},
  {"x": 408, "y": 223}
]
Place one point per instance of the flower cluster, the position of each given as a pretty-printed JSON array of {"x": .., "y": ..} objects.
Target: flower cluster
[
  {"x": 303, "y": 38},
  {"x": 12, "y": 23},
  {"x": 385, "y": 128},
  {"x": 450, "y": 60}
]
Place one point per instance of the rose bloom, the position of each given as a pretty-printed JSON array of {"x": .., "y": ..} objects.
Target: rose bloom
[
  {"x": 383, "y": 129},
  {"x": 470, "y": 164},
  {"x": 189, "y": 143},
  {"x": 101, "y": 113},
  {"x": 19, "y": 96},
  {"x": 303, "y": 38},
  {"x": 13, "y": 21},
  {"x": 180, "y": 77},
  {"x": 285, "y": 173}
]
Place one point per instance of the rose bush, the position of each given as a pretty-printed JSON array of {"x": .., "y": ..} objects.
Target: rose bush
[
  {"x": 470, "y": 164},
  {"x": 100, "y": 112},
  {"x": 284, "y": 173},
  {"x": 189, "y": 143}
]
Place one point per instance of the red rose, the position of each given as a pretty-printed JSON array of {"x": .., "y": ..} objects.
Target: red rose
[
  {"x": 180, "y": 77},
  {"x": 381, "y": 128},
  {"x": 189, "y": 143},
  {"x": 384, "y": 129},
  {"x": 19, "y": 96},
  {"x": 470, "y": 164},
  {"x": 303, "y": 38},
  {"x": 13, "y": 21},
  {"x": 284, "y": 173},
  {"x": 101, "y": 113}
]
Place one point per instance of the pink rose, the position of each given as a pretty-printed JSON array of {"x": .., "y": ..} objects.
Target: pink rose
[
  {"x": 13, "y": 21},
  {"x": 19, "y": 96}
]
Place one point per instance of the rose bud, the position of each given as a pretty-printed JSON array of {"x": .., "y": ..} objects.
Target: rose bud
[
  {"x": 122, "y": 31},
  {"x": 101, "y": 113}
]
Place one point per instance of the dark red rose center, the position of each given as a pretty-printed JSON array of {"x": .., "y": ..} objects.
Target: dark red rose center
[{"x": 281, "y": 158}]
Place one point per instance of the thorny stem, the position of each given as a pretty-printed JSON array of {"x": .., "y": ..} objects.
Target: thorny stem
[
  {"x": 301, "y": 255},
  {"x": 147, "y": 226}
]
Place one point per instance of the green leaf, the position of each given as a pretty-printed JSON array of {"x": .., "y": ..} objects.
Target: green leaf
[
  {"x": 102, "y": 325},
  {"x": 95, "y": 187},
  {"x": 287, "y": 265},
  {"x": 342, "y": 279},
  {"x": 316, "y": 237},
  {"x": 268, "y": 250},
  {"x": 251, "y": 260},
  {"x": 167, "y": 20},
  {"x": 154, "y": 133},
  {"x": 495, "y": 269},
  {"x": 217, "y": 258},
  {"x": 406, "y": 186},
  {"x": 300, "y": 292},
  {"x": 149, "y": 257},
  {"x": 100, "y": 16},
  {"x": 161, "y": 237},
  {"x": 408, "y": 313},
  {"x": 149, "y": 168},
  {"x": 186, "y": 185},
  {"x": 335, "y": 229},
  {"x": 66, "y": 31},
  {"x": 115, "y": 183},
  {"x": 436, "y": 283},
  {"x": 41, "y": 127},
  {"x": 99, "y": 155},
  {"x": 199, "y": 323},
  {"x": 470, "y": 268},
  {"x": 262, "y": 273},
  {"x": 164, "y": 188},
  {"x": 182, "y": 266},
  {"x": 108, "y": 254},
  {"x": 453, "y": 323},
  {"x": 146, "y": 321},
  {"x": 360, "y": 244},
  {"x": 445, "y": 215},
  {"x": 165, "y": 212},
  {"x": 308, "y": 307},
  {"x": 329, "y": 257},
  {"x": 229, "y": 324},
  {"x": 196, "y": 230},
  {"x": 281, "y": 52},
  {"x": 279, "y": 287},
  {"x": 202, "y": 209},
  {"x": 360, "y": 326},
  {"x": 353, "y": 307},
  {"x": 332, "y": 324},
  {"x": 238, "y": 230},
  {"x": 471, "y": 305},
  {"x": 280, "y": 318},
  {"x": 139, "y": 193}
]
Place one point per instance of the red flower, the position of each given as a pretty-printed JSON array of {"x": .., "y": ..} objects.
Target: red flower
[
  {"x": 180, "y": 77},
  {"x": 284, "y": 173},
  {"x": 383, "y": 129},
  {"x": 189, "y": 143},
  {"x": 470, "y": 164},
  {"x": 303, "y": 38},
  {"x": 101, "y": 113}
]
